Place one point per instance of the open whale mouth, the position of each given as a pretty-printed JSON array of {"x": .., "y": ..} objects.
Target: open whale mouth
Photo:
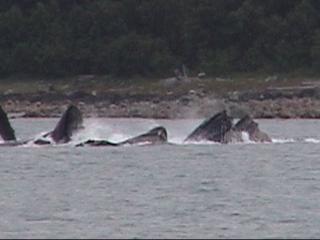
[
  {"x": 212, "y": 129},
  {"x": 70, "y": 122},
  {"x": 220, "y": 128}
]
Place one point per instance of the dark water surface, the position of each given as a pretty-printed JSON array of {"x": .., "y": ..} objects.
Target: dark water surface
[{"x": 171, "y": 191}]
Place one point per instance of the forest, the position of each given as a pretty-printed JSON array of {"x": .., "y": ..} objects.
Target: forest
[{"x": 153, "y": 37}]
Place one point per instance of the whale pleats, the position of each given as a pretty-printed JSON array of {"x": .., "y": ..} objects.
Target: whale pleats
[
  {"x": 6, "y": 131},
  {"x": 70, "y": 122}
]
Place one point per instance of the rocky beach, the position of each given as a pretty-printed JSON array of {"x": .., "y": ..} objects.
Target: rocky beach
[{"x": 298, "y": 101}]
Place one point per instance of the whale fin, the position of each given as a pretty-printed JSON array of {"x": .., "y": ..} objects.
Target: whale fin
[
  {"x": 6, "y": 131},
  {"x": 157, "y": 135},
  {"x": 70, "y": 122},
  {"x": 212, "y": 129}
]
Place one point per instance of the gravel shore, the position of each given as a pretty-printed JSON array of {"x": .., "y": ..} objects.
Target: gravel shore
[{"x": 186, "y": 106}]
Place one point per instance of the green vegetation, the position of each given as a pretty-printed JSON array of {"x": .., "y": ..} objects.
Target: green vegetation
[
  {"x": 104, "y": 84},
  {"x": 150, "y": 38}
]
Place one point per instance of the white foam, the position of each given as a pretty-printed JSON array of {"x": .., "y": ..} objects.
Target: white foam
[
  {"x": 176, "y": 140},
  {"x": 312, "y": 140},
  {"x": 31, "y": 144},
  {"x": 245, "y": 137},
  {"x": 286, "y": 140},
  {"x": 41, "y": 136},
  {"x": 202, "y": 142}
]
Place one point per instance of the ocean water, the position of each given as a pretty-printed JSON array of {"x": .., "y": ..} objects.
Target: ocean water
[{"x": 202, "y": 190}]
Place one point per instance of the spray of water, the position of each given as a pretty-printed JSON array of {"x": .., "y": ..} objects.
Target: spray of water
[
  {"x": 117, "y": 131},
  {"x": 245, "y": 137}
]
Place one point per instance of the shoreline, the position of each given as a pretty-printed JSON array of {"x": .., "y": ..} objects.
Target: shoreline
[
  {"x": 270, "y": 97},
  {"x": 181, "y": 108}
]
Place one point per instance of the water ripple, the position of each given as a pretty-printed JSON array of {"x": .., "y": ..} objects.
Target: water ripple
[{"x": 171, "y": 191}]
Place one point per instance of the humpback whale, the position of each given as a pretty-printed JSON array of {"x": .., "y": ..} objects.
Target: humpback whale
[
  {"x": 70, "y": 122},
  {"x": 246, "y": 124},
  {"x": 6, "y": 131},
  {"x": 212, "y": 129},
  {"x": 220, "y": 128},
  {"x": 157, "y": 135}
]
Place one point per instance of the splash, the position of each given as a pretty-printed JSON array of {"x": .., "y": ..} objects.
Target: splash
[
  {"x": 312, "y": 140},
  {"x": 41, "y": 136},
  {"x": 92, "y": 129},
  {"x": 285, "y": 140},
  {"x": 291, "y": 140},
  {"x": 176, "y": 140},
  {"x": 97, "y": 129},
  {"x": 245, "y": 137},
  {"x": 203, "y": 142}
]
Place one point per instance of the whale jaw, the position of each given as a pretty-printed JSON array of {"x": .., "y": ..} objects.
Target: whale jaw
[
  {"x": 219, "y": 128},
  {"x": 157, "y": 135},
  {"x": 6, "y": 131},
  {"x": 212, "y": 129},
  {"x": 70, "y": 122}
]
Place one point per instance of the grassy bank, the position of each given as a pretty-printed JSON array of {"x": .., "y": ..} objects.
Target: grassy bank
[{"x": 218, "y": 85}]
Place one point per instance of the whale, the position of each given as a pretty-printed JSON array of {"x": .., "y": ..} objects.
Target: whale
[
  {"x": 212, "y": 129},
  {"x": 248, "y": 125},
  {"x": 220, "y": 128},
  {"x": 6, "y": 131},
  {"x": 155, "y": 136},
  {"x": 70, "y": 122}
]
